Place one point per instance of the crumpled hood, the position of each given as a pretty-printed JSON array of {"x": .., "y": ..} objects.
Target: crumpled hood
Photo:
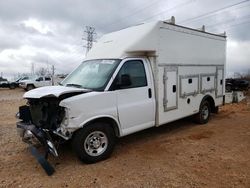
[{"x": 52, "y": 91}]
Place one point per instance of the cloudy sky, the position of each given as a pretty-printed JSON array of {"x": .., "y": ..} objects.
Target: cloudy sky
[{"x": 50, "y": 32}]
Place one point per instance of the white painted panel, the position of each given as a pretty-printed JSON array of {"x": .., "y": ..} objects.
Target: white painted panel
[
  {"x": 185, "y": 108},
  {"x": 136, "y": 106},
  {"x": 207, "y": 83},
  {"x": 171, "y": 90},
  {"x": 189, "y": 85},
  {"x": 177, "y": 47}
]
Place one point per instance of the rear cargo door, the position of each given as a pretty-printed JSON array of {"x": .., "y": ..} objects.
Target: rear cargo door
[{"x": 170, "y": 88}]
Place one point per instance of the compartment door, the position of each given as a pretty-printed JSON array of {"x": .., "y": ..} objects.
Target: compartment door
[
  {"x": 170, "y": 88},
  {"x": 219, "y": 82}
]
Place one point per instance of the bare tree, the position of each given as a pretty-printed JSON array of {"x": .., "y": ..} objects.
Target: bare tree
[{"x": 41, "y": 71}]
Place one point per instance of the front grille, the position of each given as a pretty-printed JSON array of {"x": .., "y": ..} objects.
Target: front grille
[{"x": 25, "y": 114}]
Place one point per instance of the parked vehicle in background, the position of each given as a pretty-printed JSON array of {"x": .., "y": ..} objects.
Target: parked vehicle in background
[
  {"x": 35, "y": 82},
  {"x": 236, "y": 84},
  {"x": 15, "y": 84},
  {"x": 133, "y": 79},
  {"x": 12, "y": 85},
  {"x": 4, "y": 84}
]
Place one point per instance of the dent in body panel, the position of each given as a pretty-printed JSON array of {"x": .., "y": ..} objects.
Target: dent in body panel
[{"x": 82, "y": 108}]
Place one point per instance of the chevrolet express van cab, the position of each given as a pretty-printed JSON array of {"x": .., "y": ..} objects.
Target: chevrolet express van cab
[{"x": 133, "y": 79}]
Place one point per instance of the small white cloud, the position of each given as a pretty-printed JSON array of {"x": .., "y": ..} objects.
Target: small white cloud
[{"x": 37, "y": 25}]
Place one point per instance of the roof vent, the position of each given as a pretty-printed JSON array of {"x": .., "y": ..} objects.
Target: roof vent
[
  {"x": 202, "y": 28},
  {"x": 171, "y": 20},
  {"x": 224, "y": 34}
]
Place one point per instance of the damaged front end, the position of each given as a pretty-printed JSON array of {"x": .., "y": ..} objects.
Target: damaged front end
[{"x": 39, "y": 123}]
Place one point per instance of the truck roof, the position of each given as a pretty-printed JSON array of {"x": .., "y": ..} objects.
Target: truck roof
[{"x": 141, "y": 38}]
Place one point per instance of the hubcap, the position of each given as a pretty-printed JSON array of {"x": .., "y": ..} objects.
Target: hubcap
[
  {"x": 96, "y": 143},
  {"x": 205, "y": 112}
]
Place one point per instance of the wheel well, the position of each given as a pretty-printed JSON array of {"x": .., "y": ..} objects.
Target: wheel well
[
  {"x": 211, "y": 103},
  {"x": 109, "y": 121},
  {"x": 30, "y": 85}
]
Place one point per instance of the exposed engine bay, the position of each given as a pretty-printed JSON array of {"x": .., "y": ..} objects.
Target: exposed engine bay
[
  {"x": 46, "y": 112},
  {"x": 39, "y": 120}
]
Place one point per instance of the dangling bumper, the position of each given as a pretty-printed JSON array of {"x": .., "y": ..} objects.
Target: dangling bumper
[{"x": 38, "y": 137}]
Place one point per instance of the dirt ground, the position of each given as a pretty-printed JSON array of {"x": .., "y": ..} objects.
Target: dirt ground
[{"x": 180, "y": 154}]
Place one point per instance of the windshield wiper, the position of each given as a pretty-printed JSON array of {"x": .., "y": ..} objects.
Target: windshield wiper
[
  {"x": 78, "y": 86},
  {"x": 74, "y": 85}
]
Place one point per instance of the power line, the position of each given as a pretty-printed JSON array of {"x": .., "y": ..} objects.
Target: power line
[
  {"x": 170, "y": 9},
  {"x": 136, "y": 11},
  {"x": 166, "y": 10},
  {"x": 227, "y": 21},
  {"x": 212, "y": 12},
  {"x": 223, "y": 22},
  {"x": 242, "y": 23}
]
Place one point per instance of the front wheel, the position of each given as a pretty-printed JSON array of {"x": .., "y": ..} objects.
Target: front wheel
[
  {"x": 204, "y": 113},
  {"x": 30, "y": 87},
  {"x": 94, "y": 142}
]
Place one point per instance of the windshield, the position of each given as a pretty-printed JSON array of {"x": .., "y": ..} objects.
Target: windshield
[
  {"x": 92, "y": 74},
  {"x": 22, "y": 78}
]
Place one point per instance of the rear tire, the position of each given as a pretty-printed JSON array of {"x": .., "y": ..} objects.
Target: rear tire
[
  {"x": 94, "y": 142},
  {"x": 204, "y": 113},
  {"x": 12, "y": 86}
]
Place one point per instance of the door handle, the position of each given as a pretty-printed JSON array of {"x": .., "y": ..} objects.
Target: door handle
[{"x": 149, "y": 93}]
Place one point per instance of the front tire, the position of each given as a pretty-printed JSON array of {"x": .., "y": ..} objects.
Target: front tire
[
  {"x": 204, "y": 113},
  {"x": 94, "y": 142},
  {"x": 30, "y": 87}
]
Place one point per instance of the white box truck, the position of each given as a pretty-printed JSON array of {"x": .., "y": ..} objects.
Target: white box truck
[{"x": 133, "y": 79}]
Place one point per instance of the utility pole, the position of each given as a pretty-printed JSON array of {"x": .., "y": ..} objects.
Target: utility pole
[
  {"x": 32, "y": 69},
  {"x": 53, "y": 73},
  {"x": 47, "y": 63},
  {"x": 90, "y": 32}
]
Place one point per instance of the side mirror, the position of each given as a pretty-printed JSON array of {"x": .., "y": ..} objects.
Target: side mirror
[{"x": 125, "y": 80}]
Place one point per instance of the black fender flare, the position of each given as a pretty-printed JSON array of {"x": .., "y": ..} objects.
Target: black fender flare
[{"x": 211, "y": 101}]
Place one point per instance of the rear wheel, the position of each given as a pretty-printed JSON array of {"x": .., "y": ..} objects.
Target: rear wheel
[
  {"x": 12, "y": 86},
  {"x": 94, "y": 142},
  {"x": 204, "y": 113}
]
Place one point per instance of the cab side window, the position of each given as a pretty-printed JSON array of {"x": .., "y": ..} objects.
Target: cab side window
[
  {"x": 134, "y": 71},
  {"x": 39, "y": 79},
  {"x": 47, "y": 78}
]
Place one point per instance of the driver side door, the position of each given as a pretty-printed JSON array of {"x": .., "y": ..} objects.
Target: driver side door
[
  {"x": 135, "y": 102},
  {"x": 39, "y": 82}
]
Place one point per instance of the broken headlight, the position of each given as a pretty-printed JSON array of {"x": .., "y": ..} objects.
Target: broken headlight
[{"x": 65, "y": 120}]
